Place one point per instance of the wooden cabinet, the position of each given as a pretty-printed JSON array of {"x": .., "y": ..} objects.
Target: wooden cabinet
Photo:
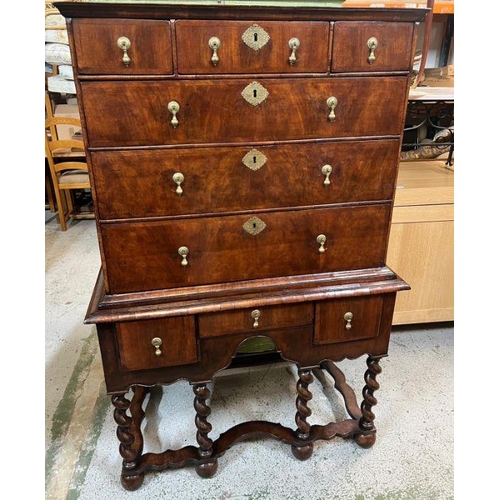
[
  {"x": 243, "y": 163},
  {"x": 421, "y": 242}
]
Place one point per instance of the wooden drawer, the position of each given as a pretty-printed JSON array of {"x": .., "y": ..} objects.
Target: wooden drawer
[
  {"x": 216, "y": 111},
  {"x": 251, "y": 47},
  {"x": 351, "y": 51},
  {"x": 144, "y": 255},
  {"x": 236, "y": 178},
  {"x": 349, "y": 319},
  {"x": 137, "y": 352},
  {"x": 97, "y": 51},
  {"x": 255, "y": 320}
]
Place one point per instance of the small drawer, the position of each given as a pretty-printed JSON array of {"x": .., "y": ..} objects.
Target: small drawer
[
  {"x": 346, "y": 320},
  {"x": 229, "y": 178},
  {"x": 255, "y": 320},
  {"x": 216, "y": 47},
  {"x": 123, "y": 46},
  {"x": 372, "y": 46},
  {"x": 156, "y": 343}
]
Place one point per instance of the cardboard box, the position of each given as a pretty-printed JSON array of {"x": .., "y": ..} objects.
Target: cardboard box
[{"x": 66, "y": 132}]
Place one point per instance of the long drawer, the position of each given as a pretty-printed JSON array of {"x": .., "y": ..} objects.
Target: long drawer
[
  {"x": 195, "y": 251},
  {"x": 199, "y": 180},
  {"x": 214, "y": 111}
]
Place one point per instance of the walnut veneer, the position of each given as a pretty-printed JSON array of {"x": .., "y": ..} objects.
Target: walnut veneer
[{"x": 243, "y": 163}]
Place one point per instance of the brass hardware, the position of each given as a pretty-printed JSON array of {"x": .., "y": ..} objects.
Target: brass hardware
[
  {"x": 214, "y": 44},
  {"x": 174, "y": 107},
  {"x": 255, "y": 315},
  {"x": 348, "y": 318},
  {"x": 254, "y": 93},
  {"x": 183, "y": 252},
  {"x": 178, "y": 178},
  {"x": 254, "y": 226},
  {"x": 255, "y": 37},
  {"x": 156, "y": 343},
  {"x": 124, "y": 44},
  {"x": 321, "y": 239},
  {"x": 326, "y": 171},
  {"x": 332, "y": 102},
  {"x": 294, "y": 44},
  {"x": 254, "y": 159},
  {"x": 372, "y": 45}
]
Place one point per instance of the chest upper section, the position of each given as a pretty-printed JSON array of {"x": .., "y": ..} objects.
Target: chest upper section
[{"x": 115, "y": 46}]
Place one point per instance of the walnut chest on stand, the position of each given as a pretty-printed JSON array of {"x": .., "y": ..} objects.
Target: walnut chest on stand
[{"x": 243, "y": 162}]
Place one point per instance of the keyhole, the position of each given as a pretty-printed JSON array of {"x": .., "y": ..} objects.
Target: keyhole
[
  {"x": 255, "y": 159},
  {"x": 255, "y": 92},
  {"x": 254, "y": 225},
  {"x": 255, "y": 36}
]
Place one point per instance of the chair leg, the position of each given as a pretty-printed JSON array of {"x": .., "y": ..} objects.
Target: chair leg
[{"x": 61, "y": 208}]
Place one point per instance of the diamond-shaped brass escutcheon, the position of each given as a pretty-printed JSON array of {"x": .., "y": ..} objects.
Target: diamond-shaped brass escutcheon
[
  {"x": 254, "y": 159},
  {"x": 254, "y": 93},
  {"x": 254, "y": 226},
  {"x": 255, "y": 37}
]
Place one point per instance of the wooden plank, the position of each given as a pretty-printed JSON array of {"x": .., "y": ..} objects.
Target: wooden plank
[
  {"x": 424, "y": 213},
  {"x": 424, "y": 183},
  {"x": 422, "y": 254}
]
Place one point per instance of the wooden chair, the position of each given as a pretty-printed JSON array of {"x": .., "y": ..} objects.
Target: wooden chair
[{"x": 68, "y": 169}]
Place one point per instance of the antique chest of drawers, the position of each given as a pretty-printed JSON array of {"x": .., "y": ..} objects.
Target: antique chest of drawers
[{"x": 243, "y": 162}]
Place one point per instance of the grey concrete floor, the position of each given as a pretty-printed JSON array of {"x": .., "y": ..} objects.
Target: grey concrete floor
[{"x": 412, "y": 458}]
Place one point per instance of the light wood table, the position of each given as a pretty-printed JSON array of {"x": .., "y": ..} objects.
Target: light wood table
[{"x": 421, "y": 242}]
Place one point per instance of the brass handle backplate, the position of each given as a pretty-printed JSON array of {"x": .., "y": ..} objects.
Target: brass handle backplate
[
  {"x": 372, "y": 45},
  {"x": 326, "y": 171},
  {"x": 174, "y": 107},
  {"x": 255, "y": 315},
  {"x": 348, "y": 318},
  {"x": 124, "y": 44},
  {"x": 156, "y": 343},
  {"x": 294, "y": 44},
  {"x": 178, "y": 178},
  {"x": 321, "y": 240},
  {"x": 183, "y": 252},
  {"x": 332, "y": 102},
  {"x": 214, "y": 44}
]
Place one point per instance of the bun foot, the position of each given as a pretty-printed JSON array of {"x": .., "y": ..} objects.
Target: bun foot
[
  {"x": 132, "y": 483},
  {"x": 365, "y": 440},
  {"x": 207, "y": 469},
  {"x": 302, "y": 452}
]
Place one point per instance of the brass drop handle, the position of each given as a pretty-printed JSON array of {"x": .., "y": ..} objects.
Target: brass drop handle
[
  {"x": 348, "y": 319},
  {"x": 372, "y": 45},
  {"x": 156, "y": 343},
  {"x": 326, "y": 171},
  {"x": 214, "y": 44},
  {"x": 174, "y": 107},
  {"x": 255, "y": 315},
  {"x": 294, "y": 44},
  {"x": 178, "y": 178},
  {"x": 183, "y": 252},
  {"x": 332, "y": 102},
  {"x": 321, "y": 240},
  {"x": 124, "y": 44}
]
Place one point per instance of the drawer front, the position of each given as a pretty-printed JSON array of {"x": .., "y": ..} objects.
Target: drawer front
[
  {"x": 156, "y": 343},
  {"x": 217, "y": 47},
  {"x": 97, "y": 50},
  {"x": 346, "y": 320},
  {"x": 147, "y": 255},
  {"x": 255, "y": 320},
  {"x": 133, "y": 113},
  {"x": 372, "y": 46},
  {"x": 141, "y": 183}
]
